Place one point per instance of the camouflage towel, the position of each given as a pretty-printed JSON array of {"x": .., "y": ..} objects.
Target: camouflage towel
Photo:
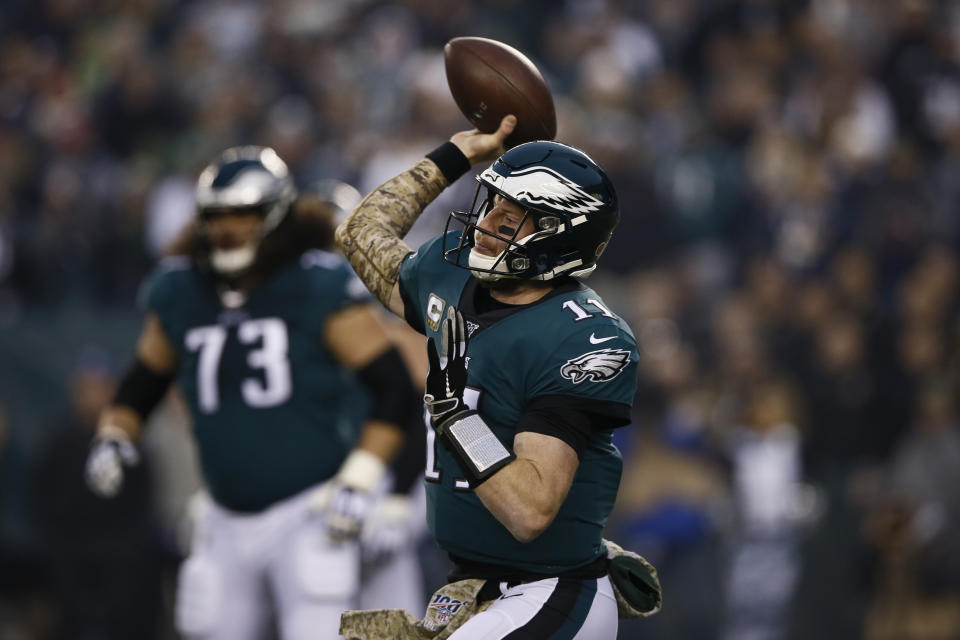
[
  {"x": 635, "y": 583},
  {"x": 450, "y": 607}
]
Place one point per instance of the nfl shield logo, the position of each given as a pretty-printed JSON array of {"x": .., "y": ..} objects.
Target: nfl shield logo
[{"x": 440, "y": 610}]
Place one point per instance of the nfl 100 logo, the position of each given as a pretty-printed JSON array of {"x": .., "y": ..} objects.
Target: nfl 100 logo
[{"x": 444, "y": 608}]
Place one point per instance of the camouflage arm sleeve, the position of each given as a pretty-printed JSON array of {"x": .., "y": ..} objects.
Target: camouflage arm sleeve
[{"x": 371, "y": 238}]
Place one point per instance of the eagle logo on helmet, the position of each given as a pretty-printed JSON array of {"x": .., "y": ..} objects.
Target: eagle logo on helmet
[
  {"x": 569, "y": 199},
  {"x": 599, "y": 366},
  {"x": 542, "y": 186}
]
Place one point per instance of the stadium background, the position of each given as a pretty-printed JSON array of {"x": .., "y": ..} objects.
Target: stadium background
[{"x": 789, "y": 176}]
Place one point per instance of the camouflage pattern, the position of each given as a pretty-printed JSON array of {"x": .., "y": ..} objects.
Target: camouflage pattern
[
  {"x": 449, "y": 608},
  {"x": 626, "y": 609},
  {"x": 453, "y": 604},
  {"x": 371, "y": 236}
]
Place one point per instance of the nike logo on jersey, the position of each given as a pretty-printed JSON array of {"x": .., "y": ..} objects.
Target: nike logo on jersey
[{"x": 595, "y": 340}]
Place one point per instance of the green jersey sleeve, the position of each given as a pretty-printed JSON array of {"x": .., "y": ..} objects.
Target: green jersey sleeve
[
  {"x": 424, "y": 274},
  {"x": 160, "y": 291},
  {"x": 333, "y": 285},
  {"x": 596, "y": 362}
]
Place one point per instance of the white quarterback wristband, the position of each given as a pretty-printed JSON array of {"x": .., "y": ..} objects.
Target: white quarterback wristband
[
  {"x": 361, "y": 470},
  {"x": 477, "y": 448}
]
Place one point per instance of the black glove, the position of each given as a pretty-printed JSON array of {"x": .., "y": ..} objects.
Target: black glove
[
  {"x": 477, "y": 448},
  {"x": 447, "y": 373}
]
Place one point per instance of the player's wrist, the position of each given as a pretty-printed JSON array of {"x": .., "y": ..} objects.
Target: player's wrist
[
  {"x": 475, "y": 446},
  {"x": 451, "y": 160},
  {"x": 441, "y": 411},
  {"x": 112, "y": 432},
  {"x": 361, "y": 470}
]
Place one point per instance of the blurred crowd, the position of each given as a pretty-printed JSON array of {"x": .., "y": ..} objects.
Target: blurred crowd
[{"x": 789, "y": 176}]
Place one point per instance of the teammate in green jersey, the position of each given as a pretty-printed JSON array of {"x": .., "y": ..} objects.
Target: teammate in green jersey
[
  {"x": 269, "y": 337},
  {"x": 530, "y": 372}
]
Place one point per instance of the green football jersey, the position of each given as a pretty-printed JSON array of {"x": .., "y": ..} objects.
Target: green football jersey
[
  {"x": 273, "y": 411},
  {"x": 568, "y": 344}
]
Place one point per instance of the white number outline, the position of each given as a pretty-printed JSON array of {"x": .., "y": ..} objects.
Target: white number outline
[
  {"x": 272, "y": 357},
  {"x": 582, "y": 314},
  {"x": 471, "y": 397}
]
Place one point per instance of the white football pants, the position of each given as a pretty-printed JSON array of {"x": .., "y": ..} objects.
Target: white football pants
[
  {"x": 245, "y": 570},
  {"x": 554, "y": 609}
]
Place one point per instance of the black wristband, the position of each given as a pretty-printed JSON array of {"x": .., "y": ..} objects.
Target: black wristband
[
  {"x": 141, "y": 388},
  {"x": 409, "y": 464},
  {"x": 450, "y": 160},
  {"x": 387, "y": 379}
]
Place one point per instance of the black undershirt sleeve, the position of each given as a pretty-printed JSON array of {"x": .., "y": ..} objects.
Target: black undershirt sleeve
[
  {"x": 387, "y": 379},
  {"x": 572, "y": 419},
  {"x": 409, "y": 464},
  {"x": 141, "y": 388}
]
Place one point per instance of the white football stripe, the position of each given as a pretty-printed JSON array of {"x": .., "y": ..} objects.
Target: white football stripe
[{"x": 542, "y": 185}]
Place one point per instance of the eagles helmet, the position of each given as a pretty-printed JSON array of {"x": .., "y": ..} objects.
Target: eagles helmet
[
  {"x": 569, "y": 197},
  {"x": 244, "y": 179}
]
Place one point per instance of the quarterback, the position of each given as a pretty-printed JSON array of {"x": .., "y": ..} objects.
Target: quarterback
[
  {"x": 271, "y": 339},
  {"x": 529, "y": 373}
]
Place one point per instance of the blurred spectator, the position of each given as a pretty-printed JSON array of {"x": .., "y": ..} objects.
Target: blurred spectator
[
  {"x": 915, "y": 528},
  {"x": 670, "y": 498},
  {"x": 765, "y": 460},
  {"x": 101, "y": 557},
  {"x": 840, "y": 393},
  {"x": 23, "y": 611},
  {"x": 12, "y": 525}
]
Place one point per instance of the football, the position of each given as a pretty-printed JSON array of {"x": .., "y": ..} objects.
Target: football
[{"x": 489, "y": 79}]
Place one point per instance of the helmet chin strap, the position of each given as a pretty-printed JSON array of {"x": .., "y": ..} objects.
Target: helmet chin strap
[
  {"x": 486, "y": 268},
  {"x": 232, "y": 261},
  {"x": 493, "y": 268}
]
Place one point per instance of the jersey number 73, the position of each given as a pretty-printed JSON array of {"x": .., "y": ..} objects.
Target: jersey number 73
[{"x": 270, "y": 356}]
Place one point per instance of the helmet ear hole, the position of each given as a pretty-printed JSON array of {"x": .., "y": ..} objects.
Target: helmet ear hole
[
  {"x": 548, "y": 223},
  {"x": 520, "y": 263}
]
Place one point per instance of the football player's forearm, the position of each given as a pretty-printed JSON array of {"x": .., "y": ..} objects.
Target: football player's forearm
[
  {"x": 520, "y": 497},
  {"x": 382, "y": 439},
  {"x": 138, "y": 393},
  {"x": 365, "y": 465},
  {"x": 372, "y": 237}
]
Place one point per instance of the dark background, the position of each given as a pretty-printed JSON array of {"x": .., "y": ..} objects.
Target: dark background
[{"x": 787, "y": 258}]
